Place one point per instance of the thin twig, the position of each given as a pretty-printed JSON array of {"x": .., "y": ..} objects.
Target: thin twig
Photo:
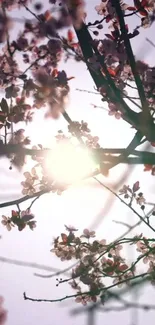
[
  {"x": 102, "y": 290},
  {"x": 130, "y": 207}
]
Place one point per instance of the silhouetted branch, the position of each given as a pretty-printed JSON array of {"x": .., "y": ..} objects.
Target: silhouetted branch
[{"x": 131, "y": 59}]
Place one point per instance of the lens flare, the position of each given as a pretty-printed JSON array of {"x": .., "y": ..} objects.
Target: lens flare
[{"x": 67, "y": 163}]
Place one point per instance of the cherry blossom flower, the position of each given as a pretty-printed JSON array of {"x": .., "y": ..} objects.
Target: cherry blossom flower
[
  {"x": 7, "y": 222},
  {"x": 27, "y": 215},
  {"x": 22, "y": 43},
  {"x": 124, "y": 190},
  {"x": 88, "y": 260},
  {"x": 151, "y": 271},
  {"x": 123, "y": 267},
  {"x": 76, "y": 10},
  {"x": 102, "y": 242},
  {"x": 113, "y": 111},
  {"x": 102, "y": 8},
  {"x": 108, "y": 266},
  {"x": 28, "y": 184},
  {"x": 31, "y": 224},
  {"x": 88, "y": 234},
  {"x": 116, "y": 250},
  {"x": 82, "y": 299},
  {"x": 18, "y": 136},
  {"x": 19, "y": 219},
  {"x": 140, "y": 199}
]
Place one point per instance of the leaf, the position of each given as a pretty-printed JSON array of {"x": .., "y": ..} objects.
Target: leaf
[
  {"x": 136, "y": 186},
  {"x": 75, "y": 45},
  {"x": 4, "y": 106},
  {"x": 15, "y": 213},
  {"x": 134, "y": 34},
  {"x": 70, "y": 36},
  {"x": 27, "y": 217},
  {"x": 70, "y": 78},
  {"x": 108, "y": 18},
  {"x": 144, "y": 3},
  {"x": 64, "y": 238},
  {"x": 139, "y": 5},
  {"x": 32, "y": 224},
  {"x": 131, "y": 8},
  {"x": 2, "y": 117},
  {"x": 109, "y": 36},
  {"x": 27, "y": 175},
  {"x": 21, "y": 227},
  {"x": 54, "y": 73},
  {"x": 112, "y": 72},
  {"x": 47, "y": 15}
]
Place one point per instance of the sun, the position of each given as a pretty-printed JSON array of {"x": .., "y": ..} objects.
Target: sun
[{"x": 67, "y": 163}]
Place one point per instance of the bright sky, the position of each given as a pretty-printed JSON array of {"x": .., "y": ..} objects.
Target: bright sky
[{"x": 82, "y": 206}]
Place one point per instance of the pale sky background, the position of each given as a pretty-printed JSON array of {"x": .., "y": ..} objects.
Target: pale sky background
[{"x": 80, "y": 206}]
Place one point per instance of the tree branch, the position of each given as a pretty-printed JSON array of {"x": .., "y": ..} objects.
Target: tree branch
[
  {"x": 130, "y": 207},
  {"x": 24, "y": 198},
  {"x": 146, "y": 116},
  {"x": 34, "y": 265},
  {"x": 102, "y": 290}
]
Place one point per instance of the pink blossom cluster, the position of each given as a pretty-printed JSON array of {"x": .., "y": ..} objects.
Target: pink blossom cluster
[
  {"x": 21, "y": 219},
  {"x": 97, "y": 261}
]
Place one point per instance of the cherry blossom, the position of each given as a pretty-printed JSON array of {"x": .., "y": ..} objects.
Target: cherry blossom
[
  {"x": 88, "y": 234},
  {"x": 7, "y": 222},
  {"x": 28, "y": 184},
  {"x": 101, "y": 9},
  {"x": 41, "y": 48}
]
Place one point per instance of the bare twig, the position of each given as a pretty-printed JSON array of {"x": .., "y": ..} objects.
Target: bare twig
[
  {"x": 103, "y": 290},
  {"x": 130, "y": 207}
]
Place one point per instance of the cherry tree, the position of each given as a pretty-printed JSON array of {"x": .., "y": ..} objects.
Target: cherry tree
[{"x": 61, "y": 32}]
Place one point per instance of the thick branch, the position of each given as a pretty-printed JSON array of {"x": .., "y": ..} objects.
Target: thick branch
[
  {"x": 88, "y": 49},
  {"x": 131, "y": 59},
  {"x": 24, "y": 198},
  {"x": 40, "y": 193},
  {"x": 145, "y": 156}
]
